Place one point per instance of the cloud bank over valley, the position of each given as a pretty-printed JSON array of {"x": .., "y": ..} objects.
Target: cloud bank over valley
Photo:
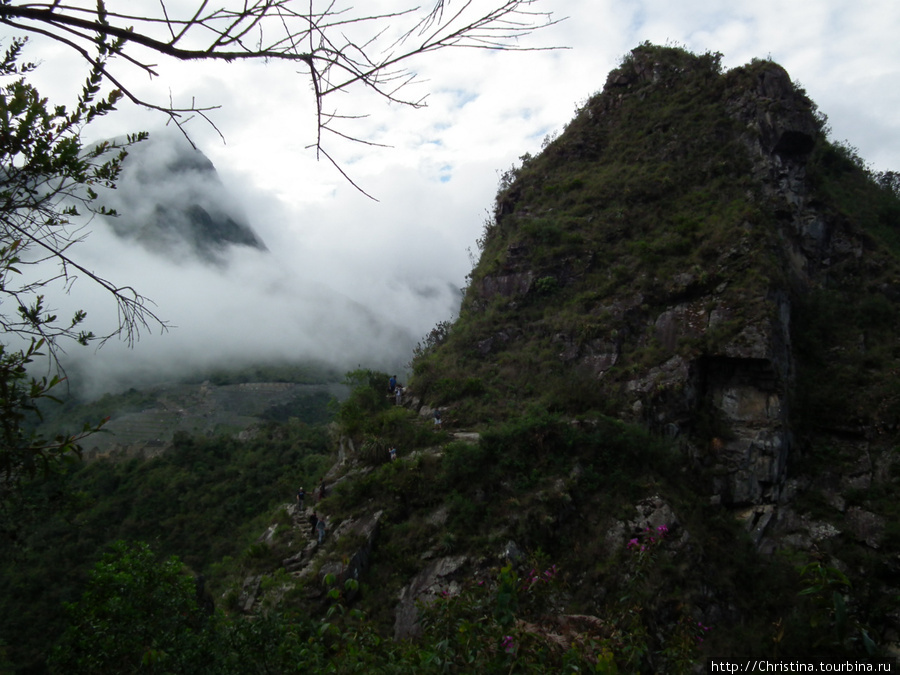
[{"x": 242, "y": 283}]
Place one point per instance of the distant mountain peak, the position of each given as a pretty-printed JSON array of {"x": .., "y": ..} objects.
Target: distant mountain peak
[{"x": 170, "y": 199}]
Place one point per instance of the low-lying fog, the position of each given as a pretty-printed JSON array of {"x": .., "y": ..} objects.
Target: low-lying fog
[{"x": 324, "y": 288}]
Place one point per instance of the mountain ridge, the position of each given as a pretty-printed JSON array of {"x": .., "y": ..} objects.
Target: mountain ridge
[
  {"x": 686, "y": 298},
  {"x": 173, "y": 203}
]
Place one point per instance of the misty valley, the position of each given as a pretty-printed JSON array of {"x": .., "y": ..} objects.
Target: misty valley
[{"x": 661, "y": 430}]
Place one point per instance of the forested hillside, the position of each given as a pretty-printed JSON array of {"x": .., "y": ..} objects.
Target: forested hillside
[{"x": 663, "y": 430}]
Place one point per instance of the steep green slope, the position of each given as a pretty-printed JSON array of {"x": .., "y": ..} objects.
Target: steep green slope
[
  {"x": 692, "y": 255},
  {"x": 633, "y": 204},
  {"x": 656, "y": 197}
]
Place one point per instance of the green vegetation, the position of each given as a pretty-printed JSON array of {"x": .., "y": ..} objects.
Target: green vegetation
[
  {"x": 47, "y": 176},
  {"x": 486, "y": 629},
  {"x": 370, "y": 417},
  {"x": 846, "y": 341},
  {"x": 128, "y": 589},
  {"x": 555, "y": 487},
  {"x": 581, "y": 538},
  {"x": 205, "y": 500},
  {"x": 869, "y": 200},
  {"x": 639, "y": 191},
  {"x": 552, "y": 484}
]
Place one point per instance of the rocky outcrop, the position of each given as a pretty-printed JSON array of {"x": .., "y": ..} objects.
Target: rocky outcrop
[
  {"x": 696, "y": 343},
  {"x": 507, "y": 285},
  {"x": 637, "y": 270},
  {"x": 344, "y": 554},
  {"x": 362, "y": 532},
  {"x": 743, "y": 382},
  {"x": 746, "y": 380},
  {"x": 438, "y": 576}
]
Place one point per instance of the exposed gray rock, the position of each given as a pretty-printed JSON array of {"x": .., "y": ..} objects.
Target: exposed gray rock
[
  {"x": 298, "y": 561},
  {"x": 267, "y": 536},
  {"x": 249, "y": 592},
  {"x": 512, "y": 552},
  {"x": 865, "y": 526},
  {"x": 756, "y": 519},
  {"x": 364, "y": 530},
  {"x": 672, "y": 374},
  {"x": 653, "y": 512},
  {"x": 506, "y": 285},
  {"x": 821, "y": 530},
  {"x": 436, "y": 577},
  {"x": 439, "y": 517}
]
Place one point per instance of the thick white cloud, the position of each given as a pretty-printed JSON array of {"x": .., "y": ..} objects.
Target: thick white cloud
[{"x": 399, "y": 256}]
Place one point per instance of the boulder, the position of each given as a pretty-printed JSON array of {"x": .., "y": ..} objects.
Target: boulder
[{"x": 437, "y": 577}]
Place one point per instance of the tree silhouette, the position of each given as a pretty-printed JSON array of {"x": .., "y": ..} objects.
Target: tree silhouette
[{"x": 338, "y": 49}]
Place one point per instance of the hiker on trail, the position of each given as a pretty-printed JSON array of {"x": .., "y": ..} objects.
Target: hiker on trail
[
  {"x": 392, "y": 383},
  {"x": 313, "y": 521},
  {"x": 320, "y": 526},
  {"x": 321, "y": 494},
  {"x": 437, "y": 417},
  {"x": 300, "y": 497},
  {"x": 399, "y": 393},
  {"x": 393, "y": 454}
]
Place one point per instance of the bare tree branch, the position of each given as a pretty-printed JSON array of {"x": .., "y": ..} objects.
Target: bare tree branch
[
  {"x": 339, "y": 48},
  {"x": 44, "y": 175}
]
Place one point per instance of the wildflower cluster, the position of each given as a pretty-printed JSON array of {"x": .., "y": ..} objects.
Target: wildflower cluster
[
  {"x": 533, "y": 578},
  {"x": 648, "y": 539},
  {"x": 701, "y": 631},
  {"x": 508, "y": 644},
  {"x": 500, "y": 624}
]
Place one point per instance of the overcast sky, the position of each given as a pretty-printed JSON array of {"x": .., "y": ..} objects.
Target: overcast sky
[{"x": 402, "y": 255}]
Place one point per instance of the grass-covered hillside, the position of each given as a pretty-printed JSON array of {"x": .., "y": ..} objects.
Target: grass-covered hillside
[{"x": 655, "y": 196}]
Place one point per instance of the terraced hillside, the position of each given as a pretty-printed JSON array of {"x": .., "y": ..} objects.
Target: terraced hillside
[{"x": 203, "y": 409}]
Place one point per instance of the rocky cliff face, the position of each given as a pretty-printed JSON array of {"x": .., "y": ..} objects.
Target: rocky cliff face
[
  {"x": 661, "y": 246},
  {"x": 694, "y": 255}
]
